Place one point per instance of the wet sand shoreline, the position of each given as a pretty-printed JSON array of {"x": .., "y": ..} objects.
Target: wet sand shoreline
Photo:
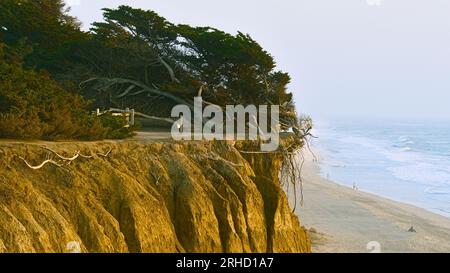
[{"x": 343, "y": 220}]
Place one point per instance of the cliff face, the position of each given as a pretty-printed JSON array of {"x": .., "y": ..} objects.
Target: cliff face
[{"x": 157, "y": 197}]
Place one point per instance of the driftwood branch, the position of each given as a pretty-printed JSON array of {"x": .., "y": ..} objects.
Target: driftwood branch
[
  {"x": 86, "y": 156},
  {"x": 168, "y": 120},
  {"x": 62, "y": 159},
  {"x": 37, "y": 167},
  {"x": 107, "y": 153}
]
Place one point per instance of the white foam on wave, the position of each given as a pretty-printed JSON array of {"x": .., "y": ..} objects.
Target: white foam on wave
[
  {"x": 395, "y": 156},
  {"x": 423, "y": 173},
  {"x": 406, "y": 149}
]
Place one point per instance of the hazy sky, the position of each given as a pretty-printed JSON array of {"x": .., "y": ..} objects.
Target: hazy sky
[{"x": 374, "y": 58}]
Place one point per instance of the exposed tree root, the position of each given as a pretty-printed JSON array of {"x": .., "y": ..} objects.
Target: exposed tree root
[
  {"x": 62, "y": 160},
  {"x": 63, "y": 157},
  {"x": 37, "y": 167},
  {"x": 107, "y": 153}
]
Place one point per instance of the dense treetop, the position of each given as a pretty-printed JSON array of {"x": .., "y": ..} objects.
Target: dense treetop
[{"x": 137, "y": 59}]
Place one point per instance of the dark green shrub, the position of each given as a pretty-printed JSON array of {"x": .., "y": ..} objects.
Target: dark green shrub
[
  {"x": 116, "y": 126},
  {"x": 33, "y": 106}
]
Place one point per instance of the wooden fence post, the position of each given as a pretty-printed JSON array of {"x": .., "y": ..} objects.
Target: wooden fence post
[
  {"x": 132, "y": 117},
  {"x": 127, "y": 115}
]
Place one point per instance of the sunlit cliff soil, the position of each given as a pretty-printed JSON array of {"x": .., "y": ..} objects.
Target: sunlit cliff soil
[{"x": 155, "y": 197}]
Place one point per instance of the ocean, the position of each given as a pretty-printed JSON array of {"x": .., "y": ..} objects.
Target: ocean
[{"x": 407, "y": 162}]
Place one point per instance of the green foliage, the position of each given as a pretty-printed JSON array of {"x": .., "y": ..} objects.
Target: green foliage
[
  {"x": 41, "y": 32},
  {"x": 34, "y": 106},
  {"x": 37, "y": 35},
  {"x": 178, "y": 60},
  {"x": 116, "y": 126},
  {"x": 235, "y": 68},
  {"x": 142, "y": 60}
]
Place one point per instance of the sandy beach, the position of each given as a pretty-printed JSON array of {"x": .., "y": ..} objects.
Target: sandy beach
[{"x": 343, "y": 220}]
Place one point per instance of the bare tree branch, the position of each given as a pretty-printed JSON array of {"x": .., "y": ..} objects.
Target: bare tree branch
[
  {"x": 107, "y": 153},
  {"x": 37, "y": 167},
  {"x": 169, "y": 69},
  {"x": 111, "y": 81}
]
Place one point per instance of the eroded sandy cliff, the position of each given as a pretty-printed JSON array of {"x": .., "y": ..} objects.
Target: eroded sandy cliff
[{"x": 157, "y": 197}]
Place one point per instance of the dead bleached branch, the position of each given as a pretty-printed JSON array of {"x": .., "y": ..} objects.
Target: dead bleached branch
[
  {"x": 77, "y": 154},
  {"x": 48, "y": 161},
  {"x": 62, "y": 160},
  {"x": 107, "y": 153}
]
